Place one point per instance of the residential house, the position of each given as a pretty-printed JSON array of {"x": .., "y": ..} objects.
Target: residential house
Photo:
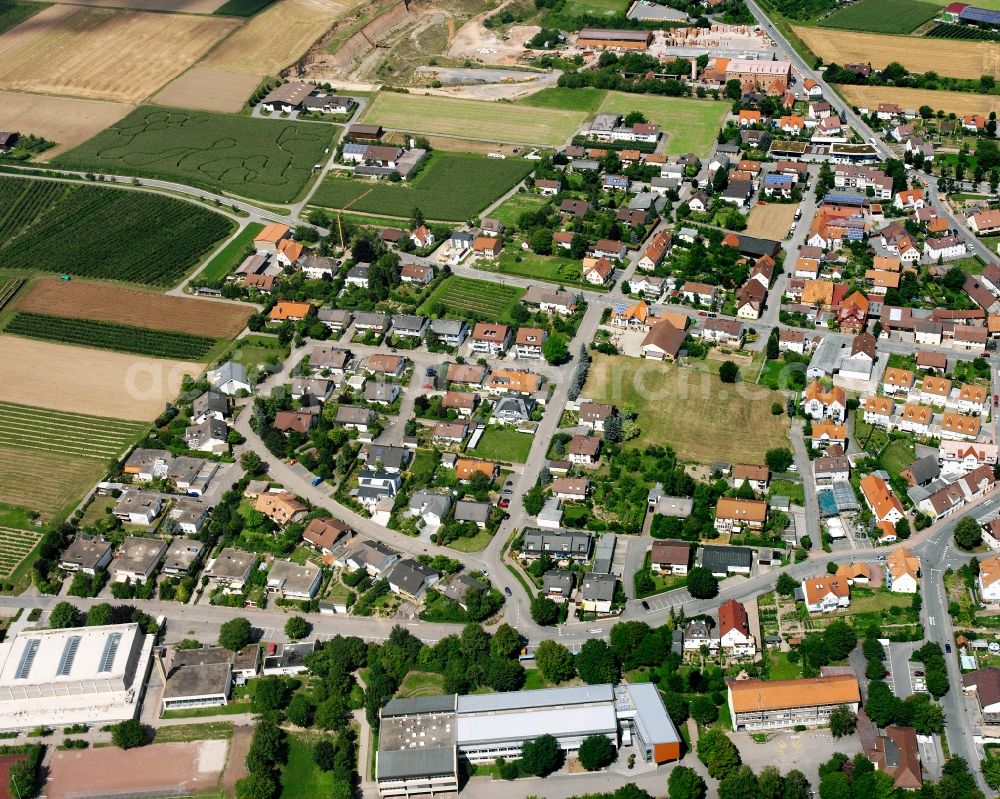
[
  {"x": 137, "y": 559},
  {"x": 573, "y": 488},
  {"x": 756, "y": 476},
  {"x": 903, "y": 568},
  {"x": 138, "y": 507},
  {"x": 490, "y": 338},
  {"x": 597, "y": 593},
  {"x": 410, "y": 579},
  {"x": 663, "y": 342},
  {"x": 733, "y": 515},
  {"x": 670, "y": 557},
  {"x": 355, "y": 417},
  {"x": 821, "y": 403},
  {"x": 735, "y": 637},
  {"x": 293, "y": 580},
  {"x": 989, "y": 582},
  {"x": 324, "y": 534},
  {"x": 281, "y": 507},
  {"x": 429, "y": 506},
  {"x": 883, "y": 504},
  {"x": 584, "y": 450},
  {"x": 528, "y": 342},
  {"x": 826, "y": 593},
  {"x": 593, "y": 415}
]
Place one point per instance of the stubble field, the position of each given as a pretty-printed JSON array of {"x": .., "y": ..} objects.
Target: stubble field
[
  {"x": 175, "y": 6},
  {"x": 949, "y": 102},
  {"x": 208, "y": 90},
  {"x": 770, "y": 221},
  {"x": 277, "y": 37},
  {"x": 88, "y": 381},
  {"x": 102, "y": 53},
  {"x": 957, "y": 59},
  {"x": 499, "y": 122},
  {"x": 48, "y": 483},
  {"x": 67, "y": 121},
  {"x": 82, "y": 300}
]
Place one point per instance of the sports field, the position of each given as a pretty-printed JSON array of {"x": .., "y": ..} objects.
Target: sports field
[
  {"x": 701, "y": 417},
  {"x": 882, "y": 16},
  {"x": 690, "y": 125},
  {"x": 473, "y": 119},
  {"x": 277, "y": 37},
  {"x": 104, "y": 53},
  {"x": 464, "y": 297},
  {"x": 109, "y": 303},
  {"x": 450, "y": 187},
  {"x": 957, "y": 59},
  {"x": 87, "y": 381},
  {"x": 949, "y": 102},
  {"x": 208, "y": 90},
  {"x": 268, "y": 160},
  {"x": 63, "y": 227},
  {"x": 770, "y": 221},
  {"x": 63, "y": 120}
]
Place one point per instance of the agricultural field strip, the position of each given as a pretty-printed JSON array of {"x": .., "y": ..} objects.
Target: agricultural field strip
[
  {"x": 28, "y": 427},
  {"x": 49, "y": 224},
  {"x": 15, "y": 544},
  {"x": 111, "y": 336},
  {"x": 66, "y": 441},
  {"x": 9, "y": 289}
]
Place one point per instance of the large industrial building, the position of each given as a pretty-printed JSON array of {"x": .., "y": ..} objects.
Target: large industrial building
[
  {"x": 422, "y": 739},
  {"x": 614, "y": 39},
  {"x": 67, "y": 676},
  {"x": 776, "y": 704}
]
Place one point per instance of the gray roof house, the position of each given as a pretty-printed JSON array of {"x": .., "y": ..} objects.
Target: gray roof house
[
  {"x": 725, "y": 560},
  {"x": 450, "y": 331},
  {"x": 513, "y": 410},
  {"x": 371, "y": 556},
  {"x": 381, "y": 393},
  {"x": 370, "y": 320},
  {"x": 604, "y": 553},
  {"x": 210, "y": 405},
  {"x": 138, "y": 559},
  {"x": 181, "y": 555},
  {"x": 86, "y": 554},
  {"x": 560, "y": 544},
  {"x": 358, "y": 275},
  {"x": 409, "y": 325},
  {"x": 232, "y": 568},
  {"x": 209, "y": 436},
  {"x": 457, "y": 588},
  {"x": 293, "y": 580},
  {"x": 429, "y": 506},
  {"x": 334, "y": 318},
  {"x": 557, "y": 584},
  {"x": 411, "y": 579},
  {"x": 598, "y": 592},
  {"x": 355, "y": 416},
  {"x": 318, "y": 387},
  {"x": 230, "y": 378},
  {"x": 393, "y": 459},
  {"x": 468, "y": 510}
]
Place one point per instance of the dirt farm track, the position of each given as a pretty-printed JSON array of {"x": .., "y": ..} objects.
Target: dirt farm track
[
  {"x": 85, "y": 380},
  {"x": 81, "y": 300},
  {"x": 104, "y": 53},
  {"x": 951, "y": 57}
]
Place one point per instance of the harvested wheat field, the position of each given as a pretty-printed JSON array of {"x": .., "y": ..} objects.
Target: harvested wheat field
[
  {"x": 277, "y": 37},
  {"x": 951, "y": 57},
  {"x": 79, "y": 299},
  {"x": 64, "y": 120},
  {"x": 104, "y": 53},
  {"x": 957, "y": 102},
  {"x": 208, "y": 90},
  {"x": 770, "y": 221},
  {"x": 176, "y": 6},
  {"x": 84, "y": 380},
  {"x": 48, "y": 483}
]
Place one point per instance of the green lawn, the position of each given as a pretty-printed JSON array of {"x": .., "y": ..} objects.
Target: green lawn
[
  {"x": 476, "y": 543},
  {"x": 301, "y": 778},
  {"x": 184, "y": 733},
  {"x": 264, "y": 159},
  {"x": 473, "y": 119},
  {"x": 504, "y": 444},
  {"x": 230, "y": 256},
  {"x": 253, "y": 350},
  {"x": 467, "y": 298},
  {"x": 512, "y": 208},
  {"x": 534, "y": 679},
  {"x": 607, "y": 7},
  {"x": 421, "y": 683},
  {"x": 782, "y": 668},
  {"x": 786, "y": 488},
  {"x": 690, "y": 125},
  {"x": 897, "y": 456},
  {"x": 232, "y": 709},
  {"x": 443, "y": 189},
  {"x": 12, "y": 14},
  {"x": 583, "y": 99},
  {"x": 882, "y": 16},
  {"x": 550, "y": 268}
]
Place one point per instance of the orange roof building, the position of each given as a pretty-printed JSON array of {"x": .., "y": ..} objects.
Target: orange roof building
[
  {"x": 466, "y": 467},
  {"x": 826, "y": 593},
  {"x": 270, "y": 236},
  {"x": 735, "y": 514},
  {"x": 287, "y": 310},
  {"x": 514, "y": 381},
  {"x": 772, "y": 704},
  {"x": 885, "y": 506}
]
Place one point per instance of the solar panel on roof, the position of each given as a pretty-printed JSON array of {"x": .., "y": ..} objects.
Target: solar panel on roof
[
  {"x": 68, "y": 655},
  {"x": 973, "y": 14},
  {"x": 27, "y": 658}
]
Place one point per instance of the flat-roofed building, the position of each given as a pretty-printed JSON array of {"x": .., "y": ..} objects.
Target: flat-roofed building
[
  {"x": 231, "y": 568},
  {"x": 86, "y": 554},
  {"x": 138, "y": 559},
  {"x": 617, "y": 39},
  {"x": 196, "y": 677},
  {"x": 776, "y": 704},
  {"x": 181, "y": 555},
  {"x": 73, "y": 675}
]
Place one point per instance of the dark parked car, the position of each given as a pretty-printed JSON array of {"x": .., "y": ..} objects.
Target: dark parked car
[
  {"x": 645, "y": 605},
  {"x": 508, "y": 592}
]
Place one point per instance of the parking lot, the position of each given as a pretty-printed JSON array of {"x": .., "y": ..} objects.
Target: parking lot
[
  {"x": 669, "y": 599},
  {"x": 903, "y": 678}
]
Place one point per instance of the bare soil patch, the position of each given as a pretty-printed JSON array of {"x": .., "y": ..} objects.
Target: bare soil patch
[
  {"x": 104, "y": 53},
  {"x": 951, "y": 57},
  {"x": 208, "y": 90},
  {"x": 84, "y": 380},
  {"x": 236, "y": 767},
  {"x": 277, "y": 37},
  {"x": 770, "y": 221},
  {"x": 65, "y": 120},
  {"x": 191, "y": 767},
  {"x": 79, "y": 299},
  {"x": 949, "y": 102}
]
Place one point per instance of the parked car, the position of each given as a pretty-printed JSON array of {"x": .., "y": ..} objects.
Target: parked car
[
  {"x": 645, "y": 605},
  {"x": 507, "y": 591}
]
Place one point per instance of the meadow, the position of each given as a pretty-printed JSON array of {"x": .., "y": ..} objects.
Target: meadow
[
  {"x": 111, "y": 336},
  {"x": 690, "y": 409},
  {"x": 62, "y": 228},
  {"x": 230, "y": 256},
  {"x": 882, "y": 16},
  {"x": 464, "y": 297},
  {"x": 474, "y": 119},
  {"x": 690, "y": 125},
  {"x": 551, "y": 268},
  {"x": 509, "y": 212},
  {"x": 451, "y": 187},
  {"x": 266, "y": 160},
  {"x": 583, "y": 99}
]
